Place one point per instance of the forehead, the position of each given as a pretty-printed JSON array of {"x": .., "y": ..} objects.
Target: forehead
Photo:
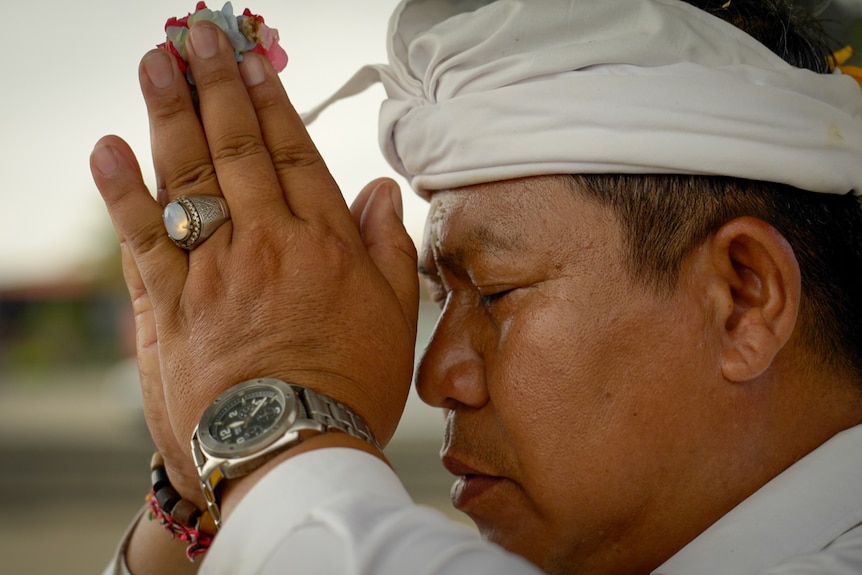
[{"x": 512, "y": 215}]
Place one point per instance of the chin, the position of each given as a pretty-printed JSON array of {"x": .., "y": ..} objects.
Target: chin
[
  {"x": 528, "y": 547},
  {"x": 556, "y": 557}
]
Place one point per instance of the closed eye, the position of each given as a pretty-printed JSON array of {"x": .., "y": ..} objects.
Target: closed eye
[{"x": 490, "y": 299}]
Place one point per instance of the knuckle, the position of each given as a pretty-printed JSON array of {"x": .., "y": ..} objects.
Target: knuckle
[
  {"x": 231, "y": 147},
  {"x": 167, "y": 108},
  {"x": 287, "y": 156},
  {"x": 215, "y": 78},
  {"x": 189, "y": 175}
]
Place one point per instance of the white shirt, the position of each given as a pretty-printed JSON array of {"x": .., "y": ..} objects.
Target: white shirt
[
  {"x": 343, "y": 511},
  {"x": 806, "y": 521}
]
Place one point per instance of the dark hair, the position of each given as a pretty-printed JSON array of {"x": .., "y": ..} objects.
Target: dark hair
[{"x": 664, "y": 217}]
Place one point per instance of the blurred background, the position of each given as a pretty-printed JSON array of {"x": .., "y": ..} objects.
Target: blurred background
[{"x": 74, "y": 450}]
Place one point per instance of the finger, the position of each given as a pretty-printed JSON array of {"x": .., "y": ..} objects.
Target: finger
[
  {"x": 390, "y": 246},
  {"x": 308, "y": 187},
  {"x": 181, "y": 469},
  {"x": 358, "y": 206},
  {"x": 137, "y": 218},
  {"x": 146, "y": 339},
  {"x": 117, "y": 174},
  {"x": 180, "y": 154},
  {"x": 242, "y": 162}
]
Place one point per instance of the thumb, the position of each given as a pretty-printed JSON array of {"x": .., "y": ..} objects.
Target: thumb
[{"x": 390, "y": 246}]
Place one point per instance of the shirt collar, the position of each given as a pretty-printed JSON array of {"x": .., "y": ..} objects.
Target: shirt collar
[{"x": 801, "y": 510}]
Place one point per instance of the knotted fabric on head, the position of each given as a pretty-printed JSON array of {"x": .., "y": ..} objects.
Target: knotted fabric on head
[{"x": 481, "y": 91}]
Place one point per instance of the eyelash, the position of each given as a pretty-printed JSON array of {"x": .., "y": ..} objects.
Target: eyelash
[
  {"x": 492, "y": 298},
  {"x": 439, "y": 295}
]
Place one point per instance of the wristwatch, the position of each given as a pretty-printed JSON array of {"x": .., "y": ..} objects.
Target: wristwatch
[{"x": 254, "y": 421}]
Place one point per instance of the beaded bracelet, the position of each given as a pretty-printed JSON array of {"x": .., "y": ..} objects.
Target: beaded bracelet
[{"x": 178, "y": 516}]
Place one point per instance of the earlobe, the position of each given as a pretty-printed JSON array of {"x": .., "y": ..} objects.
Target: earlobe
[{"x": 762, "y": 288}]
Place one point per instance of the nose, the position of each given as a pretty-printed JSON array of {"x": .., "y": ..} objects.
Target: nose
[{"x": 451, "y": 371}]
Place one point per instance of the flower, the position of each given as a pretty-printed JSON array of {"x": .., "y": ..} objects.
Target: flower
[
  {"x": 265, "y": 38},
  {"x": 247, "y": 33},
  {"x": 838, "y": 59}
]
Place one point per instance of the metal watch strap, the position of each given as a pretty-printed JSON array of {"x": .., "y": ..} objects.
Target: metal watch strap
[
  {"x": 333, "y": 414},
  {"x": 209, "y": 479},
  {"x": 330, "y": 414}
]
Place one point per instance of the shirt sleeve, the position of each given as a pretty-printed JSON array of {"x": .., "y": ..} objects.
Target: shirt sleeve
[
  {"x": 340, "y": 510},
  {"x": 841, "y": 557},
  {"x": 117, "y": 566}
]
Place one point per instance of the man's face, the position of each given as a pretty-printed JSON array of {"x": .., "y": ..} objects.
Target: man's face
[{"x": 576, "y": 399}]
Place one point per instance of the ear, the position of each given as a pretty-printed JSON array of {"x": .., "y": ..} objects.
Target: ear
[{"x": 759, "y": 296}]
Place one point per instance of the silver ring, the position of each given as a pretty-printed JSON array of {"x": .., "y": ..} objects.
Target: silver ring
[{"x": 189, "y": 220}]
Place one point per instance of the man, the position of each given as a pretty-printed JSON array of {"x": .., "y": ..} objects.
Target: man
[{"x": 653, "y": 365}]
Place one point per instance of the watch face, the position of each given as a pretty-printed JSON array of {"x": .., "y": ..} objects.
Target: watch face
[{"x": 247, "y": 417}]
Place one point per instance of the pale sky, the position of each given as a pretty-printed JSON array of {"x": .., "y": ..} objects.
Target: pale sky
[{"x": 69, "y": 76}]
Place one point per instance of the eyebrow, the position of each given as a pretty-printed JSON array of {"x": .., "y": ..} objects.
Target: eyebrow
[{"x": 484, "y": 236}]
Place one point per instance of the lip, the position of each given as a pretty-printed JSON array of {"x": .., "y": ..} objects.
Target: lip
[{"x": 470, "y": 484}]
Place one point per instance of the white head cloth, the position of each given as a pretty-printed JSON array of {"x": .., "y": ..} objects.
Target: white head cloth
[{"x": 482, "y": 90}]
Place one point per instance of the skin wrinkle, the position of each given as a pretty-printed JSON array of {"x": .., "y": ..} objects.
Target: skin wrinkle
[
  {"x": 584, "y": 371},
  {"x": 553, "y": 410}
]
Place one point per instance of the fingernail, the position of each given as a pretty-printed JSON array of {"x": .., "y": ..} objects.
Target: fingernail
[
  {"x": 105, "y": 160},
  {"x": 204, "y": 41},
  {"x": 159, "y": 70},
  {"x": 395, "y": 198},
  {"x": 251, "y": 70}
]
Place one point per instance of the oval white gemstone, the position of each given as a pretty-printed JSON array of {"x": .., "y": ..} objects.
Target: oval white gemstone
[{"x": 176, "y": 221}]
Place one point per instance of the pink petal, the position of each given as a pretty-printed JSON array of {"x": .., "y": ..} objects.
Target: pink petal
[{"x": 277, "y": 57}]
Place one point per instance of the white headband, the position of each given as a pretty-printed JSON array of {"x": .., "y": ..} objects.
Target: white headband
[{"x": 519, "y": 88}]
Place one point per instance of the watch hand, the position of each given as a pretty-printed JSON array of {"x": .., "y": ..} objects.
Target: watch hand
[
  {"x": 251, "y": 415},
  {"x": 259, "y": 405}
]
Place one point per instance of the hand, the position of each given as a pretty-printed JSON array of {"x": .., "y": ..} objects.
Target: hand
[
  {"x": 180, "y": 468},
  {"x": 294, "y": 286}
]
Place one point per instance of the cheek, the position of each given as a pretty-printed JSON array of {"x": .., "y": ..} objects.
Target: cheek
[
  {"x": 571, "y": 364},
  {"x": 581, "y": 401},
  {"x": 595, "y": 362}
]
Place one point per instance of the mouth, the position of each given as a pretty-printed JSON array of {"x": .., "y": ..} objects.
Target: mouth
[{"x": 470, "y": 485}]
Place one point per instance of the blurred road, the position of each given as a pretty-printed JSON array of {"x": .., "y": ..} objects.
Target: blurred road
[{"x": 74, "y": 466}]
